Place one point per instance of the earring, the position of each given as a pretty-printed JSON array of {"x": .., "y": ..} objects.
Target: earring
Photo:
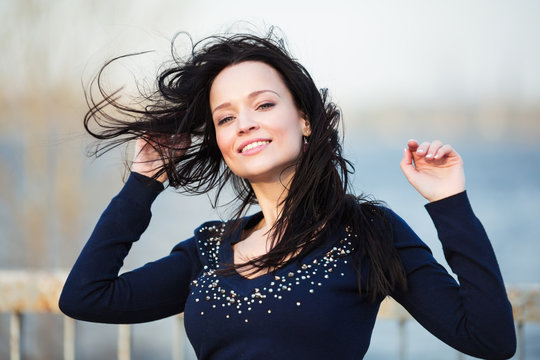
[{"x": 306, "y": 143}]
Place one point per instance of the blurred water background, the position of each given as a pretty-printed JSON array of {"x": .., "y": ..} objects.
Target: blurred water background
[{"x": 465, "y": 72}]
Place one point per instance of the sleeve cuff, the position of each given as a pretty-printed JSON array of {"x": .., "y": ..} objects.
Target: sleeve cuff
[
  {"x": 141, "y": 189},
  {"x": 450, "y": 201},
  {"x": 446, "y": 211}
]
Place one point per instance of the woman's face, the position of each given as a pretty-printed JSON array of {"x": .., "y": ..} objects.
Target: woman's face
[{"x": 258, "y": 126}]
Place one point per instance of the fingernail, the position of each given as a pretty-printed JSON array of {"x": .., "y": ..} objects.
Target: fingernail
[{"x": 429, "y": 156}]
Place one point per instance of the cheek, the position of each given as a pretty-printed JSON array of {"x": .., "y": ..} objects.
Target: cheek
[
  {"x": 290, "y": 141},
  {"x": 291, "y": 132},
  {"x": 224, "y": 143}
]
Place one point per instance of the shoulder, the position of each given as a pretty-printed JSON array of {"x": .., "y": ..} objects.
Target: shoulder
[
  {"x": 413, "y": 252},
  {"x": 210, "y": 229},
  {"x": 205, "y": 237},
  {"x": 204, "y": 246},
  {"x": 210, "y": 236},
  {"x": 382, "y": 220},
  {"x": 403, "y": 235}
]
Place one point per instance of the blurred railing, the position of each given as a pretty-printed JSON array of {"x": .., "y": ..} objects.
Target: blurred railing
[{"x": 31, "y": 292}]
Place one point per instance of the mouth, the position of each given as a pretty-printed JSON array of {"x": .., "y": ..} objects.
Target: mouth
[{"x": 253, "y": 146}]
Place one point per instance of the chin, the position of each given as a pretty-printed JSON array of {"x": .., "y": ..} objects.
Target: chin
[
  {"x": 263, "y": 168},
  {"x": 265, "y": 174}
]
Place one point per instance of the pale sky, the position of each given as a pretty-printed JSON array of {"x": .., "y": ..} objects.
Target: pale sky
[{"x": 366, "y": 52}]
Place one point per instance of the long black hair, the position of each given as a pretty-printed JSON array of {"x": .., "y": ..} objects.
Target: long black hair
[{"x": 318, "y": 196}]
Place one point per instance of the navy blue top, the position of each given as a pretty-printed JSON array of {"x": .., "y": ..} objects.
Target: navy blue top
[{"x": 305, "y": 310}]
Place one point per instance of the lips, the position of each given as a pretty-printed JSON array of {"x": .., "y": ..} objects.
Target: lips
[{"x": 252, "y": 144}]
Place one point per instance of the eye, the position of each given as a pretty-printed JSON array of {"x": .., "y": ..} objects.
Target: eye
[
  {"x": 224, "y": 120},
  {"x": 265, "y": 106}
]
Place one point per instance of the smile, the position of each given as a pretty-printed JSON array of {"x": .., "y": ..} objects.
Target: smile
[{"x": 254, "y": 146}]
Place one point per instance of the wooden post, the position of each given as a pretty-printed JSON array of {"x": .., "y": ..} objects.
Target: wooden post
[
  {"x": 124, "y": 342},
  {"x": 402, "y": 339},
  {"x": 69, "y": 338},
  {"x": 15, "y": 336},
  {"x": 520, "y": 341},
  {"x": 179, "y": 338}
]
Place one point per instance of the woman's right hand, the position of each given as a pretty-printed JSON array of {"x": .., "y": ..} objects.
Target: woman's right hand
[
  {"x": 147, "y": 160},
  {"x": 434, "y": 169}
]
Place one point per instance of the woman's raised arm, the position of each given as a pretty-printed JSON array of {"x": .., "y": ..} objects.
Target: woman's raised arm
[
  {"x": 94, "y": 290},
  {"x": 473, "y": 314}
]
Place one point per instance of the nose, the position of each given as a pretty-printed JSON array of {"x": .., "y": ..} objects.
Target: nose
[{"x": 246, "y": 123}]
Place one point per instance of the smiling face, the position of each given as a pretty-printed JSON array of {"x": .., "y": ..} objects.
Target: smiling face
[{"x": 258, "y": 127}]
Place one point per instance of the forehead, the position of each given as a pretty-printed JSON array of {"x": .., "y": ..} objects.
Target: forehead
[{"x": 239, "y": 80}]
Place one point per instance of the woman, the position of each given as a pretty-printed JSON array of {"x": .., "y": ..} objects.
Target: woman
[{"x": 304, "y": 277}]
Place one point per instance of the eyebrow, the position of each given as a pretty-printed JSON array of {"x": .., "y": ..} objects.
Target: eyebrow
[{"x": 251, "y": 95}]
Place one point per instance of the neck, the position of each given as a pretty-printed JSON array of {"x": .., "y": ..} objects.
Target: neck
[{"x": 269, "y": 195}]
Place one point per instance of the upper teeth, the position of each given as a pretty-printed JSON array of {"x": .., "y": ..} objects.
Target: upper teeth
[{"x": 254, "y": 145}]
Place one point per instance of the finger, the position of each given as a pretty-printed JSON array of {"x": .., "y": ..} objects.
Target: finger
[
  {"x": 407, "y": 157},
  {"x": 184, "y": 141},
  {"x": 412, "y": 144},
  {"x": 423, "y": 148},
  {"x": 176, "y": 142},
  {"x": 406, "y": 164},
  {"x": 443, "y": 151},
  {"x": 433, "y": 148},
  {"x": 180, "y": 143}
]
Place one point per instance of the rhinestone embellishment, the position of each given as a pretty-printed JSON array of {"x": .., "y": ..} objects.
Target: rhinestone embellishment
[{"x": 208, "y": 288}]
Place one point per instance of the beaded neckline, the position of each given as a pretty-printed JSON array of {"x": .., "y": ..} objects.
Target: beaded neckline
[{"x": 240, "y": 295}]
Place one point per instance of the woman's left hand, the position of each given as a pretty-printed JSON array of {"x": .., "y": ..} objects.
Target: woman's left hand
[{"x": 434, "y": 169}]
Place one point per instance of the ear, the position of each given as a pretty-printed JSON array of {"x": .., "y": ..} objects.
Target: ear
[{"x": 306, "y": 127}]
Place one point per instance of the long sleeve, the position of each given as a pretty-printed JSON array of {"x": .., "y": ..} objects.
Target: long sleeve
[
  {"x": 473, "y": 316},
  {"x": 95, "y": 292}
]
